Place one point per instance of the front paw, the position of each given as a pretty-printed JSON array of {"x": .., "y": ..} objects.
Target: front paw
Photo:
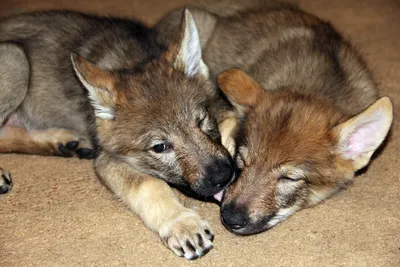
[
  {"x": 187, "y": 235},
  {"x": 5, "y": 181}
]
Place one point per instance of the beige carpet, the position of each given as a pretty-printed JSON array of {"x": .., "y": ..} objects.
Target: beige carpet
[{"x": 58, "y": 214}]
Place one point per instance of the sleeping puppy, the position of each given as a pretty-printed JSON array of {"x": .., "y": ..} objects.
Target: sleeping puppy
[{"x": 295, "y": 150}]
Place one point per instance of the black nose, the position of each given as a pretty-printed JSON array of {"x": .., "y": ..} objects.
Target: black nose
[
  {"x": 234, "y": 218},
  {"x": 220, "y": 172}
]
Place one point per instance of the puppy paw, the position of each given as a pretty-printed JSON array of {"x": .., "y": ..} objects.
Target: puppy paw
[
  {"x": 72, "y": 148},
  {"x": 86, "y": 153},
  {"x": 63, "y": 143},
  {"x": 5, "y": 181},
  {"x": 187, "y": 235}
]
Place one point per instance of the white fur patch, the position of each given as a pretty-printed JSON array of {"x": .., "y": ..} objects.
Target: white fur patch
[
  {"x": 101, "y": 111},
  {"x": 317, "y": 196},
  {"x": 282, "y": 215},
  {"x": 189, "y": 56}
]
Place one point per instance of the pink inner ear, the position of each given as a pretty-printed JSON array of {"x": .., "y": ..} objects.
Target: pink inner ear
[
  {"x": 364, "y": 138},
  {"x": 358, "y": 141}
]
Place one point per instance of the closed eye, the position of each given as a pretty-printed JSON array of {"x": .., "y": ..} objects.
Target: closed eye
[
  {"x": 293, "y": 179},
  {"x": 200, "y": 122}
]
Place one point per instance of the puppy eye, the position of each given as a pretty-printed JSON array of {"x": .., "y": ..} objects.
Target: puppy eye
[
  {"x": 291, "y": 179},
  {"x": 208, "y": 126},
  {"x": 200, "y": 121},
  {"x": 160, "y": 148}
]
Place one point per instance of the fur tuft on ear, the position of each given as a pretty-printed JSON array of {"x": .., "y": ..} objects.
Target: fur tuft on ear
[
  {"x": 360, "y": 136},
  {"x": 99, "y": 85},
  {"x": 186, "y": 53},
  {"x": 241, "y": 90}
]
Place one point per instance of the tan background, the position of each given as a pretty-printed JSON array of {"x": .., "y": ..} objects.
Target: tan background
[{"x": 58, "y": 214}]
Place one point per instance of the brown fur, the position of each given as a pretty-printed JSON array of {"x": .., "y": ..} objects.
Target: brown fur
[
  {"x": 46, "y": 142},
  {"x": 298, "y": 129},
  {"x": 294, "y": 154},
  {"x": 148, "y": 108},
  {"x": 168, "y": 112}
]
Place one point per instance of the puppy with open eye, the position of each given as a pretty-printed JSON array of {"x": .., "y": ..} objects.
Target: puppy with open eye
[{"x": 305, "y": 117}]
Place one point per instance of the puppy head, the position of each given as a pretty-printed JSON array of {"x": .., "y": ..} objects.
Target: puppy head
[
  {"x": 159, "y": 117},
  {"x": 294, "y": 151}
]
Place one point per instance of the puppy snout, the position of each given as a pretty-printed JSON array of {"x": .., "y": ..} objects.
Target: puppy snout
[
  {"x": 220, "y": 172},
  {"x": 234, "y": 218}
]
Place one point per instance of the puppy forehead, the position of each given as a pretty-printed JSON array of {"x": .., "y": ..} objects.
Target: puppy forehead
[
  {"x": 160, "y": 76},
  {"x": 161, "y": 95},
  {"x": 283, "y": 131}
]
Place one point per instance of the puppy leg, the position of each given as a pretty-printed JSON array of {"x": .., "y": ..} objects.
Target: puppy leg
[
  {"x": 14, "y": 79},
  {"x": 50, "y": 142},
  {"x": 181, "y": 229},
  {"x": 5, "y": 181}
]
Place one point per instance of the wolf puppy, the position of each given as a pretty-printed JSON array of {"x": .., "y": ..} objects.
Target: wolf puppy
[
  {"x": 148, "y": 106},
  {"x": 308, "y": 119}
]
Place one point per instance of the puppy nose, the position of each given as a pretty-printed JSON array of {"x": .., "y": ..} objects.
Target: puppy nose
[
  {"x": 220, "y": 172},
  {"x": 234, "y": 218}
]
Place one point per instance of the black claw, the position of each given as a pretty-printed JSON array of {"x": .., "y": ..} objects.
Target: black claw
[
  {"x": 86, "y": 153},
  {"x": 7, "y": 186},
  {"x": 180, "y": 249},
  {"x": 205, "y": 251},
  {"x": 190, "y": 246},
  {"x": 72, "y": 145},
  {"x": 212, "y": 238},
  {"x": 208, "y": 232},
  {"x": 195, "y": 257},
  {"x": 4, "y": 189},
  {"x": 6, "y": 179},
  {"x": 201, "y": 242},
  {"x": 64, "y": 151}
]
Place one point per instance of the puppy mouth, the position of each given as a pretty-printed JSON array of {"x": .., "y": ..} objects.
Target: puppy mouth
[
  {"x": 218, "y": 196},
  {"x": 250, "y": 230},
  {"x": 253, "y": 228}
]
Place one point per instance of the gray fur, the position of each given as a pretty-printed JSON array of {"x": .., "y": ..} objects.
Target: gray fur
[
  {"x": 142, "y": 100},
  {"x": 55, "y": 98},
  {"x": 294, "y": 54},
  {"x": 280, "y": 46}
]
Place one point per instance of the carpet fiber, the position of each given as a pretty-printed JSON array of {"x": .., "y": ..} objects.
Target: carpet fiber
[{"x": 58, "y": 213}]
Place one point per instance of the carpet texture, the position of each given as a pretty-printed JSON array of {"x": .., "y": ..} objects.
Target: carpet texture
[{"x": 58, "y": 213}]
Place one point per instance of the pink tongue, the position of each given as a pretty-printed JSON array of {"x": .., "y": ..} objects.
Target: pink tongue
[{"x": 218, "y": 196}]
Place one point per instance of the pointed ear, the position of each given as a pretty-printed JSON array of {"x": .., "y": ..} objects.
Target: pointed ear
[
  {"x": 360, "y": 136},
  {"x": 99, "y": 84},
  {"x": 185, "y": 53},
  {"x": 242, "y": 90}
]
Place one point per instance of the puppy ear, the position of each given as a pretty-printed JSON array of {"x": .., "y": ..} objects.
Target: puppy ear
[
  {"x": 99, "y": 84},
  {"x": 185, "y": 53},
  {"x": 228, "y": 128},
  {"x": 360, "y": 136},
  {"x": 242, "y": 90}
]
